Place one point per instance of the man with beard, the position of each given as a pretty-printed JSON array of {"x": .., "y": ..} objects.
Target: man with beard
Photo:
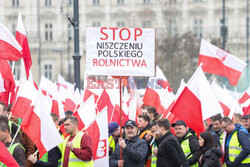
[
  {"x": 246, "y": 123},
  {"x": 169, "y": 152},
  {"x": 189, "y": 142},
  {"x": 134, "y": 149},
  {"x": 216, "y": 129}
]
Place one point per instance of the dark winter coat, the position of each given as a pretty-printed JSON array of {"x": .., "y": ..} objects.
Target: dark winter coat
[
  {"x": 134, "y": 154},
  {"x": 170, "y": 153},
  {"x": 211, "y": 158}
]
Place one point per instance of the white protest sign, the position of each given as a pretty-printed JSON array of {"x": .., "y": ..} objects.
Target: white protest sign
[{"x": 120, "y": 51}]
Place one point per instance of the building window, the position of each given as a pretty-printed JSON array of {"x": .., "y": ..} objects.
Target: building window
[
  {"x": 48, "y": 32},
  {"x": 47, "y": 3},
  {"x": 13, "y": 28},
  {"x": 146, "y": 1},
  {"x": 120, "y": 2},
  {"x": 146, "y": 23},
  {"x": 17, "y": 69},
  {"x": 197, "y": 0},
  {"x": 173, "y": 28},
  {"x": 96, "y": 24},
  {"x": 15, "y": 3},
  {"x": 120, "y": 24},
  {"x": 48, "y": 71},
  {"x": 198, "y": 30},
  {"x": 70, "y": 2},
  {"x": 96, "y": 2}
]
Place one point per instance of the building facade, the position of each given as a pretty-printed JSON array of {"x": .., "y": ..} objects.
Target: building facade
[{"x": 50, "y": 34}]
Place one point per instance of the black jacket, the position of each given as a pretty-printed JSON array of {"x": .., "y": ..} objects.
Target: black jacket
[
  {"x": 194, "y": 147},
  {"x": 134, "y": 154},
  {"x": 211, "y": 158},
  {"x": 170, "y": 153}
]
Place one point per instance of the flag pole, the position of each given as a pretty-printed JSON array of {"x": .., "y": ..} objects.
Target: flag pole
[{"x": 120, "y": 82}]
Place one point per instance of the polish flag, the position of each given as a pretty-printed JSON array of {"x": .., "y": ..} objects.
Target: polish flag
[
  {"x": 2, "y": 89},
  {"x": 86, "y": 112},
  {"x": 246, "y": 107},
  {"x": 38, "y": 125},
  {"x": 155, "y": 91},
  {"x": 6, "y": 157},
  {"x": 26, "y": 93},
  {"x": 9, "y": 47},
  {"x": 220, "y": 62},
  {"x": 7, "y": 80},
  {"x": 21, "y": 38},
  {"x": 102, "y": 153},
  {"x": 226, "y": 101},
  {"x": 196, "y": 102},
  {"x": 103, "y": 101},
  {"x": 245, "y": 96},
  {"x": 51, "y": 90}
]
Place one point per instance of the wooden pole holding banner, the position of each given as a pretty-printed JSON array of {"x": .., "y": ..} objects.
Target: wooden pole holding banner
[{"x": 120, "y": 82}]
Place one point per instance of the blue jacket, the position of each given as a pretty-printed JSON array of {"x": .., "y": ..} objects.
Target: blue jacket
[{"x": 244, "y": 142}]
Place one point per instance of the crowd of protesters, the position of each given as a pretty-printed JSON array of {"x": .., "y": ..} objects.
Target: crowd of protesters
[{"x": 151, "y": 141}]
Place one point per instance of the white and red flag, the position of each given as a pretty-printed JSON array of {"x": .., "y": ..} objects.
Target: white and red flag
[
  {"x": 226, "y": 101},
  {"x": 9, "y": 47},
  {"x": 220, "y": 62},
  {"x": 245, "y": 96},
  {"x": 38, "y": 125},
  {"x": 7, "y": 83},
  {"x": 196, "y": 102},
  {"x": 155, "y": 91},
  {"x": 100, "y": 138},
  {"x": 21, "y": 38},
  {"x": 26, "y": 94}
]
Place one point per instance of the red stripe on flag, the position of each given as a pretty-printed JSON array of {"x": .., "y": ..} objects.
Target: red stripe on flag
[{"x": 215, "y": 66}]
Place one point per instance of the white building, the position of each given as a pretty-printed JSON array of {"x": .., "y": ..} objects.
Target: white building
[{"x": 169, "y": 17}]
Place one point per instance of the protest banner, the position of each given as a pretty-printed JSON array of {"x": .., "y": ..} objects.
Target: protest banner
[{"x": 120, "y": 51}]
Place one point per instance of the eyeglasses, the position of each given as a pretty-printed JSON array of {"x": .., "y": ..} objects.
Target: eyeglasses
[{"x": 225, "y": 126}]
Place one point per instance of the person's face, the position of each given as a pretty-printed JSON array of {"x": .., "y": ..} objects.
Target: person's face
[
  {"x": 180, "y": 130},
  {"x": 201, "y": 142},
  {"x": 2, "y": 111},
  {"x": 3, "y": 136},
  {"x": 160, "y": 130},
  {"x": 144, "y": 112},
  {"x": 246, "y": 123},
  {"x": 236, "y": 120},
  {"x": 142, "y": 123},
  {"x": 130, "y": 131},
  {"x": 117, "y": 132},
  {"x": 216, "y": 125},
  {"x": 228, "y": 127},
  {"x": 153, "y": 129},
  {"x": 70, "y": 127}
]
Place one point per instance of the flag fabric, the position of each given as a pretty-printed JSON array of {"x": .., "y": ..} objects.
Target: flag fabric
[
  {"x": 7, "y": 80},
  {"x": 226, "y": 101},
  {"x": 100, "y": 139},
  {"x": 6, "y": 157},
  {"x": 87, "y": 112},
  {"x": 26, "y": 93},
  {"x": 21, "y": 38},
  {"x": 2, "y": 89},
  {"x": 9, "y": 47},
  {"x": 196, "y": 102},
  {"x": 38, "y": 125},
  {"x": 220, "y": 62},
  {"x": 155, "y": 91},
  {"x": 245, "y": 96},
  {"x": 102, "y": 153}
]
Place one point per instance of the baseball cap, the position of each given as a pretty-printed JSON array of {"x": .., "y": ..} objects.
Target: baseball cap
[
  {"x": 246, "y": 116},
  {"x": 179, "y": 122},
  {"x": 113, "y": 126},
  {"x": 130, "y": 123}
]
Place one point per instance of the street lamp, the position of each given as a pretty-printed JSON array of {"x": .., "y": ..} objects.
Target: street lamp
[{"x": 61, "y": 52}]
